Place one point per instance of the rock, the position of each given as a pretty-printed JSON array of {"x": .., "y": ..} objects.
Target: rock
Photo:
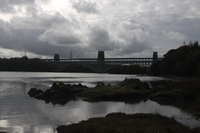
[
  {"x": 33, "y": 92},
  {"x": 54, "y": 85},
  {"x": 79, "y": 85},
  {"x": 146, "y": 85},
  {"x": 137, "y": 87},
  {"x": 58, "y": 92},
  {"x": 100, "y": 84}
]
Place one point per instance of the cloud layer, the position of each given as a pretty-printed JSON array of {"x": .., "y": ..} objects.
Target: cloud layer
[{"x": 121, "y": 28}]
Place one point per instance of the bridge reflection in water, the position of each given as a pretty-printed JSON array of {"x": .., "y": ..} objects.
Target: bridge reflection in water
[{"x": 102, "y": 64}]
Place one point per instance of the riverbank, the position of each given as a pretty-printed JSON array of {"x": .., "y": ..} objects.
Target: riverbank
[{"x": 128, "y": 123}]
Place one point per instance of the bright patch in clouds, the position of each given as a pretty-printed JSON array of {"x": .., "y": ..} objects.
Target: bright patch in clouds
[{"x": 121, "y": 28}]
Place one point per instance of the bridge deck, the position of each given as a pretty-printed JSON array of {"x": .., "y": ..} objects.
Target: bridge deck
[{"x": 106, "y": 60}]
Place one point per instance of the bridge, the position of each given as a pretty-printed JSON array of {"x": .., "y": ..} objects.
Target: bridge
[{"x": 102, "y": 64}]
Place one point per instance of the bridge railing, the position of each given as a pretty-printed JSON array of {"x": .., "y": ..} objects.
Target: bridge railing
[
  {"x": 129, "y": 59},
  {"x": 79, "y": 60},
  {"x": 106, "y": 60}
]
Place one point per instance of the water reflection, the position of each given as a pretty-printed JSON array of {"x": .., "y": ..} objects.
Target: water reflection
[
  {"x": 39, "y": 117},
  {"x": 76, "y": 111}
]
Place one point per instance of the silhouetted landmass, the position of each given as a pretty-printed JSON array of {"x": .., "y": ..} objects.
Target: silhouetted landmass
[
  {"x": 25, "y": 64},
  {"x": 129, "y": 90},
  {"x": 128, "y": 69},
  {"x": 184, "y": 94},
  {"x": 127, "y": 123},
  {"x": 184, "y": 60}
]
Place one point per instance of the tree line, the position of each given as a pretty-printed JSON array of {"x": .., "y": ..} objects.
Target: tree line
[
  {"x": 184, "y": 60},
  {"x": 25, "y": 64}
]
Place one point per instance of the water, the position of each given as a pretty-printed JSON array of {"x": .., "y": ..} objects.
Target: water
[{"x": 21, "y": 114}]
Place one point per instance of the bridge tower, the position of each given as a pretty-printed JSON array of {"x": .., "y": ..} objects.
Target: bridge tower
[
  {"x": 56, "y": 57},
  {"x": 155, "y": 56},
  {"x": 101, "y": 56},
  {"x": 100, "y": 64}
]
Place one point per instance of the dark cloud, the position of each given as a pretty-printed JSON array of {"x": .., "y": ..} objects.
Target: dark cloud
[
  {"x": 124, "y": 38},
  {"x": 85, "y": 6},
  {"x": 41, "y": 21},
  {"x": 23, "y": 34},
  {"x": 7, "y": 6},
  {"x": 99, "y": 39},
  {"x": 124, "y": 28},
  {"x": 27, "y": 41},
  {"x": 59, "y": 38}
]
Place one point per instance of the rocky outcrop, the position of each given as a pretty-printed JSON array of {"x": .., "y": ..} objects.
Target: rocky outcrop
[
  {"x": 58, "y": 93},
  {"x": 129, "y": 90},
  {"x": 33, "y": 92}
]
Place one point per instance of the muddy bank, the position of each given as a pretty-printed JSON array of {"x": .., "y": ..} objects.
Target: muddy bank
[{"x": 128, "y": 123}]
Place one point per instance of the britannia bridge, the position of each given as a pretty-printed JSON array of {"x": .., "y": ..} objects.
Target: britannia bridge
[{"x": 102, "y": 64}]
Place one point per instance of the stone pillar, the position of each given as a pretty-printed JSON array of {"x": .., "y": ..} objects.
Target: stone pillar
[
  {"x": 100, "y": 63},
  {"x": 155, "y": 56},
  {"x": 56, "y": 57},
  {"x": 101, "y": 56}
]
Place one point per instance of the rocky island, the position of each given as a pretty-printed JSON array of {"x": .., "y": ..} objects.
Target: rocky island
[{"x": 127, "y": 90}]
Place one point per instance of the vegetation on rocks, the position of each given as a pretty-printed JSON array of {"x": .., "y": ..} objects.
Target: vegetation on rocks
[
  {"x": 58, "y": 93},
  {"x": 127, "y": 90}
]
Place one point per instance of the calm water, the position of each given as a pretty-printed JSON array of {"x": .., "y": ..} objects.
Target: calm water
[{"x": 21, "y": 114}]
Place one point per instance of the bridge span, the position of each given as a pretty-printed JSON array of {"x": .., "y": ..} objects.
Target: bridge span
[{"x": 102, "y": 64}]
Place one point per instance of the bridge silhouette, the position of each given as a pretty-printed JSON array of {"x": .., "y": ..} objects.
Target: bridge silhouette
[{"x": 102, "y": 64}]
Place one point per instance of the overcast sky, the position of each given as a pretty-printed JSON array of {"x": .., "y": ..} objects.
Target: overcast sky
[{"x": 122, "y": 28}]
